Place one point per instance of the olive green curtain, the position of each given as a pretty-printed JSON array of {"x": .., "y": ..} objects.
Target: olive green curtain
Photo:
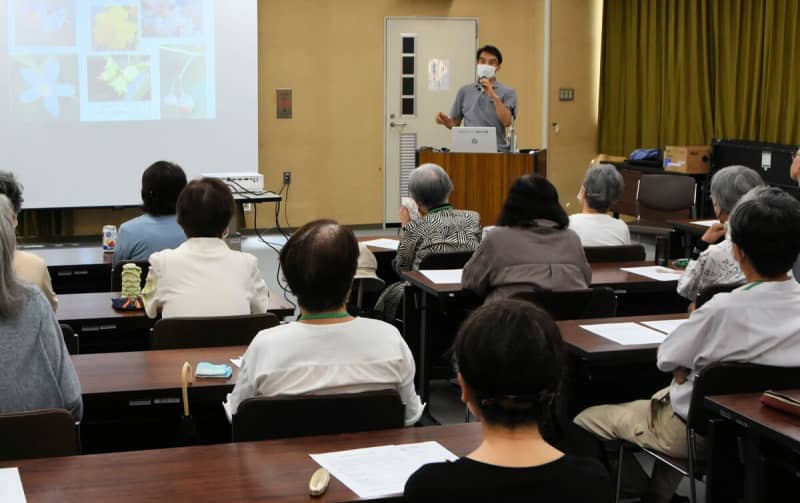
[
  {"x": 655, "y": 81},
  {"x": 687, "y": 71}
]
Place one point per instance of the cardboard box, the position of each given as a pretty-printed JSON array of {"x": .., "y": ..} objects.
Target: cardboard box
[{"x": 689, "y": 159}]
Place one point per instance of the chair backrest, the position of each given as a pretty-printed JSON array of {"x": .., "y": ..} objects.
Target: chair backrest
[
  {"x": 599, "y": 302},
  {"x": 70, "y": 339},
  {"x": 721, "y": 378},
  {"x": 664, "y": 197},
  {"x": 178, "y": 333},
  {"x": 116, "y": 273},
  {"x": 283, "y": 417},
  {"x": 446, "y": 260},
  {"x": 706, "y": 293},
  {"x": 621, "y": 253},
  {"x": 365, "y": 288},
  {"x": 38, "y": 434}
]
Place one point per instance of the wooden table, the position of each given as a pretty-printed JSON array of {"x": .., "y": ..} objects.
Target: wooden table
[
  {"x": 771, "y": 449},
  {"x": 686, "y": 225},
  {"x": 76, "y": 268},
  {"x": 132, "y": 400},
  {"x": 101, "y": 328},
  {"x": 275, "y": 470},
  {"x": 603, "y": 371}
]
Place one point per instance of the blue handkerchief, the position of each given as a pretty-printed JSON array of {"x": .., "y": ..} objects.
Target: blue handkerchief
[{"x": 206, "y": 369}]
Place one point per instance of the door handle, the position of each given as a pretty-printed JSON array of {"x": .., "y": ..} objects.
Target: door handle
[{"x": 398, "y": 124}]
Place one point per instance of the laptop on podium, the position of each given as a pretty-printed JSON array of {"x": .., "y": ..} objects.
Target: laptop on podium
[{"x": 474, "y": 140}]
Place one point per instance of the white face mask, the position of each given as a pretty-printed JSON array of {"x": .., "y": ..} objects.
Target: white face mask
[{"x": 485, "y": 71}]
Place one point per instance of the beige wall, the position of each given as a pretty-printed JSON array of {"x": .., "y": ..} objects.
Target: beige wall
[
  {"x": 574, "y": 62},
  {"x": 330, "y": 53}
]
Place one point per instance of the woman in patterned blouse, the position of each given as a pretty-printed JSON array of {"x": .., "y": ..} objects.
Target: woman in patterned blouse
[
  {"x": 439, "y": 229},
  {"x": 713, "y": 264}
]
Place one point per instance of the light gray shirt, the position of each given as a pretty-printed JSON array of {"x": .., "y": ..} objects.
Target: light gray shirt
[
  {"x": 756, "y": 323},
  {"x": 477, "y": 109},
  {"x": 144, "y": 235},
  {"x": 36, "y": 371}
]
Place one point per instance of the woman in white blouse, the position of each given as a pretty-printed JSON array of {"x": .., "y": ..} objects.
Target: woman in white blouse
[
  {"x": 203, "y": 277},
  {"x": 714, "y": 264},
  {"x": 600, "y": 189}
]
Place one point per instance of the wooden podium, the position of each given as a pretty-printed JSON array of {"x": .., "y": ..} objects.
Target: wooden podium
[{"x": 481, "y": 181}]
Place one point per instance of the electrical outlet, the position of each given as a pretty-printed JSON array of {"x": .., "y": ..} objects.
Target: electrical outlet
[
  {"x": 247, "y": 207},
  {"x": 287, "y": 177}
]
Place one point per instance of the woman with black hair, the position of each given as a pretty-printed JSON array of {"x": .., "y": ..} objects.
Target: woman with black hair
[
  {"x": 530, "y": 249},
  {"x": 158, "y": 228},
  {"x": 510, "y": 361}
]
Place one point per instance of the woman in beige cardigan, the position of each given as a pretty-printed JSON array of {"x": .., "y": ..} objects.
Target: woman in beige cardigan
[{"x": 530, "y": 249}]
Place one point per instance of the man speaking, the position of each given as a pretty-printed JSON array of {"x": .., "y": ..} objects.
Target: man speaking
[{"x": 485, "y": 103}]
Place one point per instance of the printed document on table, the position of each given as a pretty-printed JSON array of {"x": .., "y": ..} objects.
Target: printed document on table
[
  {"x": 443, "y": 276},
  {"x": 389, "y": 244},
  {"x": 657, "y": 272},
  {"x": 376, "y": 472},
  {"x": 237, "y": 361},
  {"x": 11, "y": 486},
  {"x": 705, "y": 223},
  {"x": 666, "y": 326},
  {"x": 626, "y": 334}
]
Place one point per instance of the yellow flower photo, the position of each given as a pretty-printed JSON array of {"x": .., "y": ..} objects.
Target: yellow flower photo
[{"x": 115, "y": 27}]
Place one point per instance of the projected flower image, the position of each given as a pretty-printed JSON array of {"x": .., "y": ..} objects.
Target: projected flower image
[
  {"x": 119, "y": 78},
  {"x": 45, "y": 87},
  {"x": 183, "y": 82},
  {"x": 172, "y": 18},
  {"x": 115, "y": 27},
  {"x": 44, "y": 22}
]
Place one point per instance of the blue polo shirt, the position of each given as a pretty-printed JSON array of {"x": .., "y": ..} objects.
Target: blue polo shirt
[
  {"x": 142, "y": 236},
  {"x": 477, "y": 109}
]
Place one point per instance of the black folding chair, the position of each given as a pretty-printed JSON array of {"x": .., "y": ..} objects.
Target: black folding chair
[
  {"x": 265, "y": 418},
  {"x": 180, "y": 333},
  {"x": 597, "y": 302},
  {"x": 706, "y": 293},
  {"x": 38, "y": 434}
]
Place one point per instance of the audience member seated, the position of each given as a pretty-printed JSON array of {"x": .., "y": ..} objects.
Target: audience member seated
[
  {"x": 440, "y": 228},
  {"x": 715, "y": 264},
  {"x": 158, "y": 228},
  {"x": 203, "y": 277},
  {"x": 510, "y": 362},
  {"x": 327, "y": 351},
  {"x": 531, "y": 247},
  {"x": 600, "y": 190},
  {"x": 756, "y": 323},
  {"x": 27, "y": 266},
  {"x": 36, "y": 370}
]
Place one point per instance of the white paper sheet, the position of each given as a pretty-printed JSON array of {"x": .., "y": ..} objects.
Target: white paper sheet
[
  {"x": 11, "y": 486},
  {"x": 389, "y": 244},
  {"x": 444, "y": 276},
  {"x": 666, "y": 326},
  {"x": 658, "y": 273},
  {"x": 705, "y": 223},
  {"x": 381, "y": 471},
  {"x": 237, "y": 361},
  {"x": 626, "y": 334}
]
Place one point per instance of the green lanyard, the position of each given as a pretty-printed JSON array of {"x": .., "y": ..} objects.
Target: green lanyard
[
  {"x": 752, "y": 285},
  {"x": 323, "y": 316},
  {"x": 441, "y": 208}
]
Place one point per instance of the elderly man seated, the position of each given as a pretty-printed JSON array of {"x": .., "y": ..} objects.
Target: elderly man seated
[
  {"x": 600, "y": 190},
  {"x": 326, "y": 351},
  {"x": 440, "y": 228},
  {"x": 716, "y": 264},
  {"x": 756, "y": 323}
]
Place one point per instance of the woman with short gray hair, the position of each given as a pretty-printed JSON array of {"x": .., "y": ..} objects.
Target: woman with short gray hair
[
  {"x": 439, "y": 228},
  {"x": 714, "y": 264},
  {"x": 36, "y": 371},
  {"x": 600, "y": 189}
]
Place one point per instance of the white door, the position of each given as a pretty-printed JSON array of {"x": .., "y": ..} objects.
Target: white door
[{"x": 426, "y": 61}]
